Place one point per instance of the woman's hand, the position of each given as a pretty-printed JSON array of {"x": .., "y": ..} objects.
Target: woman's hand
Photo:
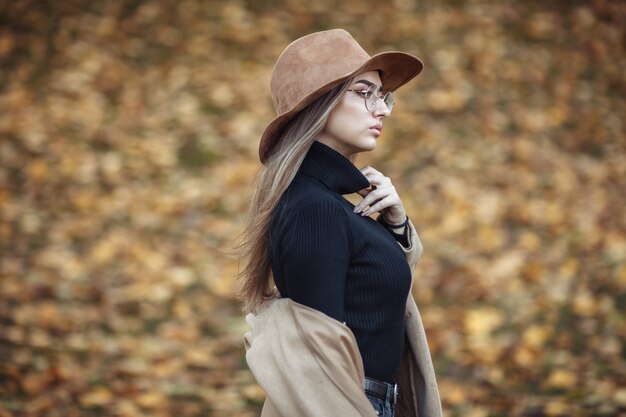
[{"x": 380, "y": 197}]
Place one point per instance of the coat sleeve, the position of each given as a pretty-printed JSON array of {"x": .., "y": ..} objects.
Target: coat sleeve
[
  {"x": 419, "y": 393},
  {"x": 414, "y": 250}
]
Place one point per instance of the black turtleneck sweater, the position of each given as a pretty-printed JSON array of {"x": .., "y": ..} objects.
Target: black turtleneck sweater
[{"x": 347, "y": 266}]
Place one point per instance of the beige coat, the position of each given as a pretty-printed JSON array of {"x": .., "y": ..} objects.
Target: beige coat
[{"x": 309, "y": 363}]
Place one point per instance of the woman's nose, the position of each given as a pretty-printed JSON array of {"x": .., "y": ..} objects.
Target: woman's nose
[{"x": 381, "y": 110}]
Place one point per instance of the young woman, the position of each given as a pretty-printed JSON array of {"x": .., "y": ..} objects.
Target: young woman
[{"x": 341, "y": 328}]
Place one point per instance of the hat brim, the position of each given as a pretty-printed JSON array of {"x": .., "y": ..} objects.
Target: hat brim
[{"x": 396, "y": 69}]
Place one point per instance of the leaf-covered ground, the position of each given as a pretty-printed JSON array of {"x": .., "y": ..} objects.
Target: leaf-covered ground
[{"x": 128, "y": 140}]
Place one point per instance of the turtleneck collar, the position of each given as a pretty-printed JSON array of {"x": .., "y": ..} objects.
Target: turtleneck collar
[{"x": 333, "y": 170}]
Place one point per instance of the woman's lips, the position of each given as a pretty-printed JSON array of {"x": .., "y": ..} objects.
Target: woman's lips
[{"x": 378, "y": 129}]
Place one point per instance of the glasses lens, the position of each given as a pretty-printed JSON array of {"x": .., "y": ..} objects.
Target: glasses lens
[
  {"x": 388, "y": 100},
  {"x": 371, "y": 98}
]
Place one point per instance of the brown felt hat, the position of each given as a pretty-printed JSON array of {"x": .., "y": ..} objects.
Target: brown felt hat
[{"x": 312, "y": 65}]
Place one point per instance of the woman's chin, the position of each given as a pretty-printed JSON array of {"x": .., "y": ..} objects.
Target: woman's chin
[{"x": 369, "y": 145}]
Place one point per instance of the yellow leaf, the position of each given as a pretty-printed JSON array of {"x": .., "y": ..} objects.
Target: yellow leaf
[
  {"x": 37, "y": 170},
  {"x": 456, "y": 395},
  {"x": 561, "y": 378},
  {"x": 254, "y": 392},
  {"x": 525, "y": 357},
  {"x": 556, "y": 408},
  {"x": 584, "y": 304},
  {"x": 126, "y": 408},
  {"x": 199, "y": 357},
  {"x": 569, "y": 268},
  {"x": 151, "y": 399},
  {"x": 97, "y": 397},
  {"x": 506, "y": 266},
  {"x": 620, "y": 397},
  {"x": 535, "y": 336},
  {"x": 482, "y": 320}
]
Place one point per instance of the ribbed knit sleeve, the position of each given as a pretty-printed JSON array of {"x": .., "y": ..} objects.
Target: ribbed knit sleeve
[{"x": 315, "y": 256}]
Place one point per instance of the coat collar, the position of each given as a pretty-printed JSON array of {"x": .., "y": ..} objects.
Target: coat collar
[{"x": 333, "y": 170}]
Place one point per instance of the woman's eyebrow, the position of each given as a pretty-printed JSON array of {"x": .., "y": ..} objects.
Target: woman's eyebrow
[{"x": 367, "y": 83}]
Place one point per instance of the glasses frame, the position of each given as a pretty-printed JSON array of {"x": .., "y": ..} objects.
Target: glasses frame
[{"x": 375, "y": 92}]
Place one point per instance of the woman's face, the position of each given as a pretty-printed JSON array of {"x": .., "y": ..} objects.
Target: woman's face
[{"x": 350, "y": 127}]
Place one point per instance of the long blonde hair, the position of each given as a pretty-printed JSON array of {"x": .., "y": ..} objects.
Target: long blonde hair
[{"x": 272, "y": 181}]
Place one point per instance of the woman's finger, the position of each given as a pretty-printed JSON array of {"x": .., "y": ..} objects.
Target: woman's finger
[
  {"x": 379, "y": 206},
  {"x": 378, "y": 179},
  {"x": 381, "y": 197},
  {"x": 370, "y": 197},
  {"x": 368, "y": 170},
  {"x": 373, "y": 174},
  {"x": 377, "y": 195}
]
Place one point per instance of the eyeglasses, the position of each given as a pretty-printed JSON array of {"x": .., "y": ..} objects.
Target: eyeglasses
[{"x": 372, "y": 94}]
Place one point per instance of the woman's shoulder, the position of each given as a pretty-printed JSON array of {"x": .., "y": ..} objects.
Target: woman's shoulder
[
  {"x": 308, "y": 209},
  {"x": 304, "y": 195}
]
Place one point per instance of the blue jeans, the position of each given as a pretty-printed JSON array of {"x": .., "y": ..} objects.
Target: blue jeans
[{"x": 383, "y": 407}]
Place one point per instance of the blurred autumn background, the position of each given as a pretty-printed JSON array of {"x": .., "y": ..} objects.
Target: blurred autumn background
[{"x": 128, "y": 145}]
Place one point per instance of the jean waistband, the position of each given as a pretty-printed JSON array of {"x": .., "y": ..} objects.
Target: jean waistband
[{"x": 383, "y": 390}]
